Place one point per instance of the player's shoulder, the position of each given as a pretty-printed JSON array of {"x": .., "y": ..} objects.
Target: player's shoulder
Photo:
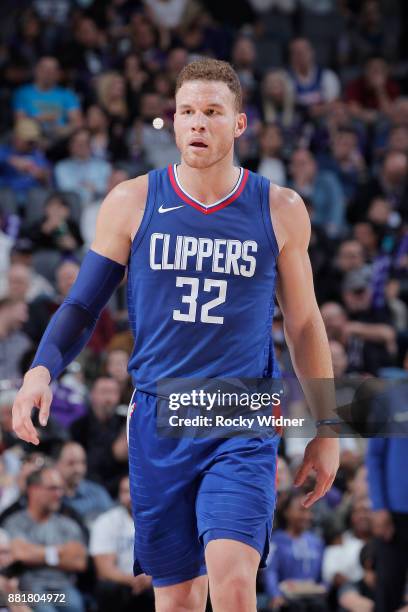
[
  {"x": 128, "y": 190},
  {"x": 123, "y": 207},
  {"x": 290, "y": 217},
  {"x": 284, "y": 199}
]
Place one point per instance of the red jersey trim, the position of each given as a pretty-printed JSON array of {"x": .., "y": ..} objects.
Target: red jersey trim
[{"x": 202, "y": 208}]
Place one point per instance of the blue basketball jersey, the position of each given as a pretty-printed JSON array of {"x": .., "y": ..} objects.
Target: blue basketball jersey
[{"x": 201, "y": 283}]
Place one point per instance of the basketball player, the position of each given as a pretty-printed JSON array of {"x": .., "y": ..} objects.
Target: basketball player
[{"x": 207, "y": 245}]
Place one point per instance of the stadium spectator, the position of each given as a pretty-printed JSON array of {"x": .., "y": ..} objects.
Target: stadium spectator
[
  {"x": 99, "y": 431},
  {"x": 373, "y": 92},
  {"x": 106, "y": 143},
  {"x": 81, "y": 173},
  {"x": 31, "y": 463},
  {"x": 55, "y": 108},
  {"x": 396, "y": 306},
  {"x": 28, "y": 463},
  {"x": 111, "y": 93},
  {"x": 277, "y": 104},
  {"x": 358, "y": 338},
  {"x": 86, "y": 55},
  {"x": 57, "y": 230},
  {"x": 88, "y": 499},
  {"x": 349, "y": 256},
  {"x": 270, "y": 162},
  {"x": 90, "y": 213},
  {"x": 24, "y": 284},
  {"x": 144, "y": 39},
  {"x": 314, "y": 86},
  {"x": 41, "y": 310},
  {"x": 176, "y": 59},
  {"x": 96, "y": 121},
  {"x": 388, "y": 489},
  {"x": 22, "y": 163},
  {"x": 322, "y": 189},
  {"x": 390, "y": 183},
  {"x": 358, "y": 595},
  {"x": 27, "y": 44},
  {"x": 53, "y": 11},
  {"x": 341, "y": 558},
  {"x": 136, "y": 78},
  {"x": 296, "y": 555},
  {"x": 10, "y": 596},
  {"x": 116, "y": 367},
  {"x": 345, "y": 161},
  {"x": 111, "y": 546},
  {"x": 243, "y": 58},
  {"x": 13, "y": 341},
  {"x": 171, "y": 15},
  {"x": 49, "y": 546}
]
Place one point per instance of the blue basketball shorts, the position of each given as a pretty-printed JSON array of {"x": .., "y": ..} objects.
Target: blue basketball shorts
[{"x": 186, "y": 492}]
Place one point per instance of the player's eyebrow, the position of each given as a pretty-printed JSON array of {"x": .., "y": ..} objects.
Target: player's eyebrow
[{"x": 210, "y": 104}]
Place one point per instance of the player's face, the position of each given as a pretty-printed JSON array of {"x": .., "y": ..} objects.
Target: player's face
[{"x": 206, "y": 122}]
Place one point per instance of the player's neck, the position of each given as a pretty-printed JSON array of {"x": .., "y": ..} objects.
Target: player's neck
[{"x": 208, "y": 185}]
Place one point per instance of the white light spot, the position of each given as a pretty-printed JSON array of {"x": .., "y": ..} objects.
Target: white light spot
[{"x": 158, "y": 123}]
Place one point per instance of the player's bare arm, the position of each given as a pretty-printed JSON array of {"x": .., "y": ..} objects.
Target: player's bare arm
[
  {"x": 118, "y": 221},
  {"x": 304, "y": 328}
]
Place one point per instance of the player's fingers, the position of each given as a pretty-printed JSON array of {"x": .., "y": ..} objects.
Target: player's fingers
[
  {"x": 318, "y": 491},
  {"x": 302, "y": 473},
  {"x": 18, "y": 422},
  {"x": 45, "y": 404},
  {"x": 25, "y": 426},
  {"x": 329, "y": 483}
]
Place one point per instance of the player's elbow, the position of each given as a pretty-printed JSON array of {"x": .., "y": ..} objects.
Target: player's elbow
[{"x": 302, "y": 327}]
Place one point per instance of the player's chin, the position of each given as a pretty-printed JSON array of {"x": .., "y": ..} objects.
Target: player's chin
[{"x": 197, "y": 161}]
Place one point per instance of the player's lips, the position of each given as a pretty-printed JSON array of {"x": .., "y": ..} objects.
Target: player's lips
[{"x": 198, "y": 143}]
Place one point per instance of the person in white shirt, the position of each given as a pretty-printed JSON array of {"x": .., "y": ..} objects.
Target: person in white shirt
[{"x": 111, "y": 546}]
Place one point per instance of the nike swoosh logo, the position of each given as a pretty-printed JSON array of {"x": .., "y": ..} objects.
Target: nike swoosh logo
[{"x": 163, "y": 210}]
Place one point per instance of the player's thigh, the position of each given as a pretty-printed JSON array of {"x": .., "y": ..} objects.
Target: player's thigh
[
  {"x": 231, "y": 561},
  {"x": 237, "y": 495},
  {"x": 188, "y": 596}
]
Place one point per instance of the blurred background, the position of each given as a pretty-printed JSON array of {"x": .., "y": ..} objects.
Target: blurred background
[{"x": 86, "y": 101}]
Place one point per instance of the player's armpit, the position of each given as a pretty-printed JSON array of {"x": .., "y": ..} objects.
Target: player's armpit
[{"x": 119, "y": 219}]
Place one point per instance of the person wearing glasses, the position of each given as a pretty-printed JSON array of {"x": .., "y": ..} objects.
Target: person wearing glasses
[{"x": 49, "y": 546}]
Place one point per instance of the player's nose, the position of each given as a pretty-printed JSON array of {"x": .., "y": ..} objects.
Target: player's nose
[{"x": 199, "y": 122}]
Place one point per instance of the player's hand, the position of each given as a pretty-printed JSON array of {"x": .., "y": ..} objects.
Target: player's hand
[
  {"x": 35, "y": 392},
  {"x": 321, "y": 455},
  {"x": 383, "y": 526}
]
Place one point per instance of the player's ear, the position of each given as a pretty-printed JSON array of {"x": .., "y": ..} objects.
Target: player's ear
[{"x": 240, "y": 124}]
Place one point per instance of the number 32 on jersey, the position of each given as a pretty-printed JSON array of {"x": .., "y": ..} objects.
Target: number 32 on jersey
[{"x": 195, "y": 313}]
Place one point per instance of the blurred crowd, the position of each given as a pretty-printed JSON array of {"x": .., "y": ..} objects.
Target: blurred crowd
[{"x": 82, "y": 82}]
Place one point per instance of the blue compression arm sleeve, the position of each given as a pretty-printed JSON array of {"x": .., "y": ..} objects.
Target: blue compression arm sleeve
[{"x": 72, "y": 325}]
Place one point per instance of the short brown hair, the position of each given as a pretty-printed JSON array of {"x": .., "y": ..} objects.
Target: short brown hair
[{"x": 212, "y": 70}]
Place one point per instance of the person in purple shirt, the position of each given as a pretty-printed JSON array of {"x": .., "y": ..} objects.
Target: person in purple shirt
[{"x": 296, "y": 553}]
